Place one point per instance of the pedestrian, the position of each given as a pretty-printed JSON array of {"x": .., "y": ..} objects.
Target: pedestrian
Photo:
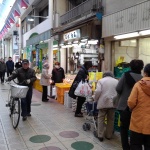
[
  {"x": 57, "y": 74},
  {"x": 103, "y": 95},
  {"x": 18, "y": 64},
  {"x": 2, "y": 70},
  {"x": 26, "y": 77},
  {"x": 81, "y": 76},
  {"x": 139, "y": 103},
  {"x": 10, "y": 66},
  {"x": 45, "y": 81},
  {"x": 124, "y": 88}
]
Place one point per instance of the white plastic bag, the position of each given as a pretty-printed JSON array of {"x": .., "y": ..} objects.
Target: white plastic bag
[{"x": 83, "y": 89}]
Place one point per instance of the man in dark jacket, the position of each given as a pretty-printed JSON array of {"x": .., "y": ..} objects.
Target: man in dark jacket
[
  {"x": 2, "y": 70},
  {"x": 10, "y": 66},
  {"x": 57, "y": 74},
  {"x": 26, "y": 76},
  {"x": 18, "y": 64}
]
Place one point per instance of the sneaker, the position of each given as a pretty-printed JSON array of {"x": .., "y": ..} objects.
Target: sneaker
[
  {"x": 44, "y": 100},
  {"x": 78, "y": 115},
  {"x": 24, "y": 118},
  {"x": 29, "y": 115},
  {"x": 100, "y": 139}
]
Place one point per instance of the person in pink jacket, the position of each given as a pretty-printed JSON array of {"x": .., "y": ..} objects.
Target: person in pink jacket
[{"x": 139, "y": 103}]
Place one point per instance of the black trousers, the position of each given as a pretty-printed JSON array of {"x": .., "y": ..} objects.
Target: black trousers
[
  {"x": 9, "y": 72},
  {"x": 124, "y": 128},
  {"x": 138, "y": 139},
  {"x": 26, "y": 103},
  {"x": 44, "y": 94},
  {"x": 2, "y": 76},
  {"x": 80, "y": 102}
]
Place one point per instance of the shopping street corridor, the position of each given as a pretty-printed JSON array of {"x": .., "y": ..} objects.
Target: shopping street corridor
[{"x": 52, "y": 126}]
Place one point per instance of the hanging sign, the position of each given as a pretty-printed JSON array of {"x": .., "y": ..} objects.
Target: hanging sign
[{"x": 72, "y": 35}]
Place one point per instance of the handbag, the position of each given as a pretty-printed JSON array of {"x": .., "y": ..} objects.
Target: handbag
[{"x": 83, "y": 89}]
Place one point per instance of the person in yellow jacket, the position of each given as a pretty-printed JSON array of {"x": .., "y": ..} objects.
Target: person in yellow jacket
[{"x": 139, "y": 103}]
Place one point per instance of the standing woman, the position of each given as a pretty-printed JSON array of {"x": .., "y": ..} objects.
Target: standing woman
[
  {"x": 45, "y": 81},
  {"x": 82, "y": 75},
  {"x": 139, "y": 103},
  {"x": 2, "y": 70}
]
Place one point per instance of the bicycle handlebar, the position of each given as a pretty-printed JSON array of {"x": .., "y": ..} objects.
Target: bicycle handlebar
[{"x": 16, "y": 82}]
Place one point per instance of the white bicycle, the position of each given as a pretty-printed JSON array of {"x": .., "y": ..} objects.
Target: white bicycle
[{"x": 16, "y": 93}]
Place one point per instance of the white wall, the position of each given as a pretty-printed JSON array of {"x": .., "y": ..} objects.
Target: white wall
[
  {"x": 144, "y": 50},
  {"x": 128, "y": 53},
  {"x": 42, "y": 27}
]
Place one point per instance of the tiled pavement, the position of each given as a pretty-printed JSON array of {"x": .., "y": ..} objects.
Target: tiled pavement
[{"x": 44, "y": 130}]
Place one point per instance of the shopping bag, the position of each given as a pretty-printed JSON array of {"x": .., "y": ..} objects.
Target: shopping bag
[{"x": 83, "y": 89}]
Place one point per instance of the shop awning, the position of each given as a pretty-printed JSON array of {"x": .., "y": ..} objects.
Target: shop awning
[{"x": 37, "y": 39}]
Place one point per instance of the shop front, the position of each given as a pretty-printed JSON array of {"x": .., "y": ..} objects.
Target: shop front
[
  {"x": 127, "y": 36},
  {"x": 78, "y": 45},
  {"x": 37, "y": 53},
  {"x": 75, "y": 46}
]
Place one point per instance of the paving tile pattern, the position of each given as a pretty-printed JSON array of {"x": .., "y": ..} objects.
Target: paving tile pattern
[{"x": 49, "y": 119}]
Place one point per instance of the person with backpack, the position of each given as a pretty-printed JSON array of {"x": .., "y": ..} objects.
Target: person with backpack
[{"x": 124, "y": 88}]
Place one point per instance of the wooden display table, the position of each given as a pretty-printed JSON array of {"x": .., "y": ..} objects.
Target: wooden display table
[{"x": 61, "y": 88}]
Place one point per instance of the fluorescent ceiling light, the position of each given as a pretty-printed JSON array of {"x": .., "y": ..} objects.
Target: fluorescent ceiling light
[
  {"x": 64, "y": 46},
  {"x": 61, "y": 44},
  {"x": 81, "y": 44},
  {"x": 31, "y": 19},
  {"x": 84, "y": 40},
  {"x": 123, "y": 36},
  {"x": 145, "y": 32},
  {"x": 92, "y": 42},
  {"x": 55, "y": 46},
  {"x": 75, "y": 42}
]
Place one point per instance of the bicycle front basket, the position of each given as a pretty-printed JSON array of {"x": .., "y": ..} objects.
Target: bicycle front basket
[{"x": 18, "y": 91}]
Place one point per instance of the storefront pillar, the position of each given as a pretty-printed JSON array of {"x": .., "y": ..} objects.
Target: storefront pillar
[
  {"x": 20, "y": 39},
  {"x": 107, "y": 57},
  {"x": 50, "y": 42},
  {"x": 50, "y": 54}
]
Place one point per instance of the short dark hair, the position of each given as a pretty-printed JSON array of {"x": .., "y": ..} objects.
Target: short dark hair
[
  {"x": 57, "y": 63},
  {"x": 136, "y": 65},
  {"x": 147, "y": 70},
  {"x": 88, "y": 64}
]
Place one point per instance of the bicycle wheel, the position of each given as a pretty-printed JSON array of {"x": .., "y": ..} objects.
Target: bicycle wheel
[
  {"x": 10, "y": 105},
  {"x": 16, "y": 113}
]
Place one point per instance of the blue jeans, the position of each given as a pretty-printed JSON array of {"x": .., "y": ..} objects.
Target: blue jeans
[{"x": 26, "y": 103}]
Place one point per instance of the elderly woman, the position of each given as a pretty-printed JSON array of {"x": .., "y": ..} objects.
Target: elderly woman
[
  {"x": 45, "y": 77},
  {"x": 104, "y": 94}
]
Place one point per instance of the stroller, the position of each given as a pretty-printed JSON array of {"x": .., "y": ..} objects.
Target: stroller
[{"x": 91, "y": 117}]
